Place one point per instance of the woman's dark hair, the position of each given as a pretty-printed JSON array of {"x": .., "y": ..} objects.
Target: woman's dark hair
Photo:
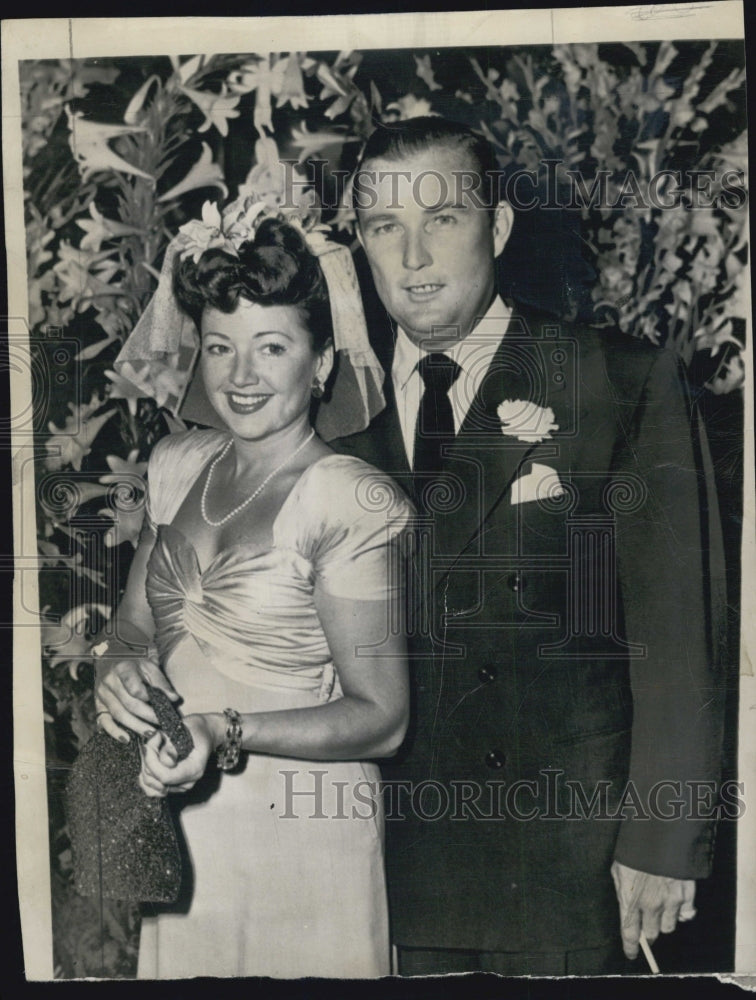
[{"x": 276, "y": 268}]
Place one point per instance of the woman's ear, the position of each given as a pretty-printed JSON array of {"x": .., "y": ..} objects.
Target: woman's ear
[{"x": 324, "y": 364}]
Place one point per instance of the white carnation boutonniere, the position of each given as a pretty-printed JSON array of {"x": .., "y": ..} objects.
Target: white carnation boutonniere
[{"x": 526, "y": 421}]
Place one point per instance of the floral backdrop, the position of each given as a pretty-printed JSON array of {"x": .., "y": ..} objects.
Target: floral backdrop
[{"x": 118, "y": 153}]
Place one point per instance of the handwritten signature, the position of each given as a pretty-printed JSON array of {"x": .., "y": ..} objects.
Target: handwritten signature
[{"x": 667, "y": 10}]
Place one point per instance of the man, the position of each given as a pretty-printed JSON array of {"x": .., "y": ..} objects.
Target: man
[{"x": 564, "y": 648}]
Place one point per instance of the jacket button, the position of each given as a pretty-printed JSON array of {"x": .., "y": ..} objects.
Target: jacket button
[
  {"x": 516, "y": 582},
  {"x": 495, "y": 759},
  {"x": 486, "y": 675}
]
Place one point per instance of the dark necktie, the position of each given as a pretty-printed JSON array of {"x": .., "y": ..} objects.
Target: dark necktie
[{"x": 435, "y": 418}]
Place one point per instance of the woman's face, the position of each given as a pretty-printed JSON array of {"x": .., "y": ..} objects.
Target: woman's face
[{"x": 258, "y": 365}]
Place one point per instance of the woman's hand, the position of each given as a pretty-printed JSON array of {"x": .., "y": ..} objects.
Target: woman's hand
[
  {"x": 121, "y": 696},
  {"x": 162, "y": 772}
]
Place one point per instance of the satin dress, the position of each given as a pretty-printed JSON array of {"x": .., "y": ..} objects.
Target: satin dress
[{"x": 285, "y": 873}]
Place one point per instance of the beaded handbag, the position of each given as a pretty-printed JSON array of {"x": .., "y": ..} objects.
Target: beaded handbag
[{"x": 124, "y": 842}]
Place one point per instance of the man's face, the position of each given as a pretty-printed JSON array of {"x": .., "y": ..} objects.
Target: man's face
[{"x": 431, "y": 248}]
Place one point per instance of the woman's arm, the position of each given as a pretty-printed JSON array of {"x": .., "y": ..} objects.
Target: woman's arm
[
  {"x": 120, "y": 671},
  {"x": 369, "y": 721}
]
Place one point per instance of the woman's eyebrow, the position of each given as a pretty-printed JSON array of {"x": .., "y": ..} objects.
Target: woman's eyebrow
[
  {"x": 273, "y": 333},
  {"x": 260, "y": 333}
]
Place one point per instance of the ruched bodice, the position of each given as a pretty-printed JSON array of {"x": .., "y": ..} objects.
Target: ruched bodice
[
  {"x": 252, "y": 612},
  {"x": 243, "y": 631}
]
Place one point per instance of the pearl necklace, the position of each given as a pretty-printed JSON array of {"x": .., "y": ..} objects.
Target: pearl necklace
[{"x": 253, "y": 496}]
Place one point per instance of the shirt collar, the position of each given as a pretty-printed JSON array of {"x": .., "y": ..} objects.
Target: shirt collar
[{"x": 478, "y": 347}]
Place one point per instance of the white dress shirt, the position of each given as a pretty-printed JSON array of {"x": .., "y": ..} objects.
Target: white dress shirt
[{"x": 474, "y": 355}]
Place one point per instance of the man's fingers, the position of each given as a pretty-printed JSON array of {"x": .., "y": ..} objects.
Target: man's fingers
[
  {"x": 669, "y": 917},
  {"x": 651, "y": 923},
  {"x": 654, "y": 902},
  {"x": 627, "y": 897},
  {"x": 688, "y": 910},
  {"x": 630, "y": 929}
]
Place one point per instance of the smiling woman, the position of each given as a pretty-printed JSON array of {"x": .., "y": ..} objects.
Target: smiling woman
[
  {"x": 265, "y": 325},
  {"x": 260, "y": 573},
  {"x": 260, "y": 357}
]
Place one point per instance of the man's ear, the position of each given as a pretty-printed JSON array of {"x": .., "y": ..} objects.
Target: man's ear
[
  {"x": 502, "y": 226},
  {"x": 358, "y": 230}
]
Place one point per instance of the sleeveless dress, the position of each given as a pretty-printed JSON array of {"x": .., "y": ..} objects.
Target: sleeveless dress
[{"x": 285, "y": 874}]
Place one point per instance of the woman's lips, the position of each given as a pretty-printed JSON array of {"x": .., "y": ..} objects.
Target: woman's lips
[{"x": 244, "y": 404}]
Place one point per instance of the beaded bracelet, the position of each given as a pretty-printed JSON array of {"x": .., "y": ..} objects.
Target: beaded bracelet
[{"x": 228, "y": 752}]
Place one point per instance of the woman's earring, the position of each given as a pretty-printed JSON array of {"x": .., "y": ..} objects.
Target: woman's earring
[{"x": 317, "y": 388}]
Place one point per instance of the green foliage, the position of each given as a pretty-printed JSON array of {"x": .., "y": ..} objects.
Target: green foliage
[{"x": 103, "y": 198}]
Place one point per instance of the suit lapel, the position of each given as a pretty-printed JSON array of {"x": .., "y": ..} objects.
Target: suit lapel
[
  {"x": 530, "y": 364},
  {"x": 483, "y": 461}
]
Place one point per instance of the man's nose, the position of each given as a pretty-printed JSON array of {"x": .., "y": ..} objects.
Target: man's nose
[{"x": 416, "y": 253}]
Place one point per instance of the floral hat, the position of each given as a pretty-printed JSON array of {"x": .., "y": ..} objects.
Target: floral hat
[{"x": 161, "y": 352}]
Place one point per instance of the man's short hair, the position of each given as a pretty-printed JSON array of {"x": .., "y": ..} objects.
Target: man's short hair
[{"x": 399, "y": 140}]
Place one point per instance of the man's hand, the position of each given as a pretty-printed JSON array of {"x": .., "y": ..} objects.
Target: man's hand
[
  {"x": 121, "y": 696},
  {"x": 650, "y": 903}
]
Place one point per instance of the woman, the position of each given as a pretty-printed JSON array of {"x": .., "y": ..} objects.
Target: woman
[{"x": 262, "y": 581}]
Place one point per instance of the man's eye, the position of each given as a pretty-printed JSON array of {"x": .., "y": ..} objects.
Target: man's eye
[
  {"x": 384, "y": 229},
  {"x": 443, "y": 221}
]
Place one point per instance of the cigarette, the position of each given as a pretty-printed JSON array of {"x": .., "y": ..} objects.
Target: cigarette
[{"x": 649, "y": 955}]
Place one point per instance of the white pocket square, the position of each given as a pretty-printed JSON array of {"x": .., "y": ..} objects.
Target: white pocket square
[{"x": 541, "y": 483}]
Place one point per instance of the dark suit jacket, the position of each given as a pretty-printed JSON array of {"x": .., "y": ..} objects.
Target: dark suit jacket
[{"x": 566, "y": 644}]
